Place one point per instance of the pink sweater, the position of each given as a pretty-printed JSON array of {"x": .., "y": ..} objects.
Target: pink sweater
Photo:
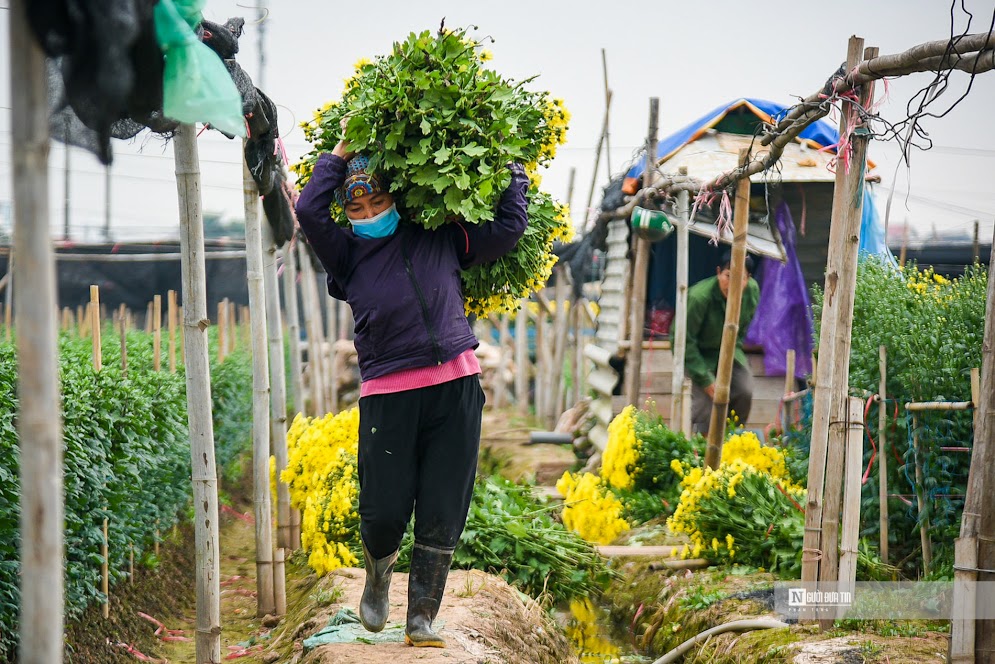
[{"x": 464, "y": 364}]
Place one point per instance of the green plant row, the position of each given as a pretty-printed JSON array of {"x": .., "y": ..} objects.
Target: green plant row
[{"x": 126, "y": 458}]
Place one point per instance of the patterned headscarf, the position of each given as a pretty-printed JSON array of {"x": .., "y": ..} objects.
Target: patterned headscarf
[{"x": 358, "y": 182}]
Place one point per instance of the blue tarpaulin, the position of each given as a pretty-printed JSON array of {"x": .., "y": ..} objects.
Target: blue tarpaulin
[{"x": 819, "y": 134}]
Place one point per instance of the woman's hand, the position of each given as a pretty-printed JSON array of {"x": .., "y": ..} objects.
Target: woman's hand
[{"x": 342, "y": 149}]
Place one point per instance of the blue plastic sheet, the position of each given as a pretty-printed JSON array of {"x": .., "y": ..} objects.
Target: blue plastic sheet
[
  {"x": 821, "y": 133},
  {"x": 872, "y": 235},
  {"x": 783, "y": 319}
]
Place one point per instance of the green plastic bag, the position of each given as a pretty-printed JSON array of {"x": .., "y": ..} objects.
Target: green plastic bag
[{"x": 196, "y": 85}]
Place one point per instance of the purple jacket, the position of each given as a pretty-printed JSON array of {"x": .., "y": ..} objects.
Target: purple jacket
[{"x": 404, "y": 290}]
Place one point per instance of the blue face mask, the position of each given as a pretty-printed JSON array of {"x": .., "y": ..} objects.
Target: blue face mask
[{"x": 382, "y": 225}]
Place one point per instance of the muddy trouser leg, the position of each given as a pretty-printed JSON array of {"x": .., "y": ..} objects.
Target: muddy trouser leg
[
  {"x": 741, "y": 392},
  {"x": 701, "y": 410},
  {"x": 388, "y": 425},
  {"x": 447, "y": 462}
]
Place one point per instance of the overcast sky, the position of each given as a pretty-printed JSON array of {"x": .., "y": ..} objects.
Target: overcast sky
[{"x": 693, "y": 55}]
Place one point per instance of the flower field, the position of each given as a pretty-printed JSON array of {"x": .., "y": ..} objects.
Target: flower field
[{"x": 126, "y": 459}]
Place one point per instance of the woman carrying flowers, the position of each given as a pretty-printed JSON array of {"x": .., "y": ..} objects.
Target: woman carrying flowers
[{"x": 420, "y": 401}]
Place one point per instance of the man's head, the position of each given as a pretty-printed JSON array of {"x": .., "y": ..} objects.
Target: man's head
[
  {"x": 725, "y": 275},
  {"x": 363, "y": 195}
]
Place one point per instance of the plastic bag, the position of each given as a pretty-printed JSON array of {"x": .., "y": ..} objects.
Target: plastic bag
[{"x": 196, "y": 84}]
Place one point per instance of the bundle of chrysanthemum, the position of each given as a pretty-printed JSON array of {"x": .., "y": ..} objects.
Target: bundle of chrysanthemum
[{"x": 443, "y": 129}]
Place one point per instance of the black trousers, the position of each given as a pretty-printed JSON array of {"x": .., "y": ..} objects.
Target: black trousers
[
  {"x": 418, "y": 452},
  {"x": 740, "y": 399}
]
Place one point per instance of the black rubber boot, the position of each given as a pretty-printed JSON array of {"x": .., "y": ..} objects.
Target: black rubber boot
[
  {"x": 374, "y": 607},
  {"x": 426, "y": 584}
]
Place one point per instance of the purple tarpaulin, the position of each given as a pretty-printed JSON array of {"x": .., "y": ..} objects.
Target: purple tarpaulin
[{"x": 784, "y": 314}]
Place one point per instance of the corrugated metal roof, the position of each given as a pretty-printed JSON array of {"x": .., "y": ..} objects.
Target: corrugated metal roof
[{"x": 718, "y": 153}]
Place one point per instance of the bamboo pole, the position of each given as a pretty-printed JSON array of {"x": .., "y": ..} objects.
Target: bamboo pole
[
  {"x": 148, "y": 318},
  {"x": 157, "y": 332},
  {"x": 789, "y": 388},
  {"x": 171, "y": 322},
  {"x": 293, "y": 327},
  {"x": 522, "y": 358},
  {"x": 198, "y": 378},
  {"x": 852, "y": 209},
  {"x": 98, "y": 356},
  {"x": 851, "y": 510},
  {"x": 730, "y": 332},
  {"x": 905, "y": 245},
  {"x": 686, "y": 401},
  {"x": 882, "y": 457},
  {"x": 840, "y": 233},
  {"x": 67, "y": 319},
  {"x": 278, "y": 401},
  {"x": 597, "y": 155},
  {"x": 680, "y": 322},
  {"x": 39, "y": 417},
  {"x": 975, "y": 549},
  {"x": 976, "y": 245},
  {"x": 312, "y": 319},
  {"x": 637, "y": 312},
  {"x": 261, "y": 431}
]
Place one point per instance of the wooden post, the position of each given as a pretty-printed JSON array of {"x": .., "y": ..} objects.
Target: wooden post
[
  {"x": 840, "y": 233},
  {"x": 265, "y": 595},
  {"x": 232, "y": 327},
  {"x": 105, "y": 610},
  {"x": 222, "y": 330},
  {"x": 9, "y": 298},
  {"x": 730, "y": 332},
  {"x": 98, "y": 356},
  {"x": 500, "y": 384},
  {"x": 522, "y": 358},
  {"x": 680, "y": 322},
  {"x": 905, "y": 244},
  {"x": 576, "y": 357},
  {"x": 331, "y": 320},
  {"x": 976, "y": 246},
  {"x": 312, "y": 319},
  {"x": 851, "y": 511},
  {"x": 789, "y": 388},
  {"x": 293, "y": 327},
  {"x": 148, "y": 318},
  {"x": 157, "y": 332},
  {"x": 882, "y": 447},
  {"x": 927, "y": 544},
  {"x": 686, "y": 401},
  {"x": 198, "y": 378},
  {"x": 851, "y": 210},
  {"x": 559, "y": 342},
  {"x": 541, "y": 388},
  {"x": 278, "y": 407},
  {"x": 975, "y": 549},
  {"x": 637, "y": 312},
  {"x": 171, "y": 322},
  {"x": 123, "y": 323},
  {"x": 39, "y": 417},
  {"x": 570, "y": 193}
]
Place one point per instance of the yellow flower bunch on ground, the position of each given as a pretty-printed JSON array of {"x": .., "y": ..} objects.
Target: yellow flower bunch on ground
[
  {"x": 590, "y": 508},
  {"x": 618, "y": 463},
  {"x": 741, "y": 512},
  {"x": 322, "y": 477}
]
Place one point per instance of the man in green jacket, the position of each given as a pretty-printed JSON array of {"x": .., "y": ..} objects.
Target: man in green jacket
[{"x": 706, "y": 315}]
